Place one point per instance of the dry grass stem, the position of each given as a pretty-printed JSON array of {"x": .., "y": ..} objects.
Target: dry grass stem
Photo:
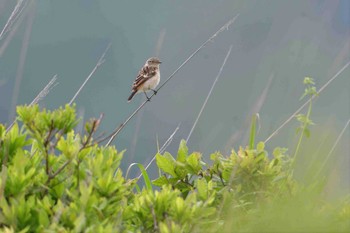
[
  {"x": 40, "y": 96},
  {"x": 333, "y": 148},
  {"x": 307, "y": 102},
  {"x": 98, "y": 64},
  {"x": 121, "y": 126},
  {"x": 209, "y": 94},
  {"x": 162, "y": 149},
  {"x": 16, "y": 13},
  {"x": 22, "y": 61}
]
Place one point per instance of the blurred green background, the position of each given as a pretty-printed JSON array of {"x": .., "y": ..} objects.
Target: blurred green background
[{"x": 276, "y": 43}]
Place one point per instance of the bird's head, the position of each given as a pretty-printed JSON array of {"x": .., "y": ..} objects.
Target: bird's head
[{"x": 153, "y": 61}]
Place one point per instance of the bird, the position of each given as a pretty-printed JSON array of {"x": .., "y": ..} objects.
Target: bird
[{"x": 147, "y": 79}]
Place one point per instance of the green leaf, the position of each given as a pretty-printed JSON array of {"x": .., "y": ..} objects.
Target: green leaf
[
  {"x": 307, "y": 132},
  {"x": 309, "y": 81},
  {"x": 137, "y": 188},
  {"x": 7, "y": 211},
  {"x": 69, "y": 146},
  {"x": 180, "y": 171},
  {"x": 166, "y": 164},
  {"x": 79, "y": 223},
  {"x": 160, "y": 181},
  {"x": 43, "y": 218},
  {"x": 26, "y": 114},
  {"x": 260, "y": 147},
  {"x": 260, "y": 157},
  {"x": 279, "y": 152},
  {"x": 182, "y": 152},
  {"x": 163, "y": 227},
  {"x": 253, "y": 131},
  {"x": 145, "y": 177},
  {"x": 301, "y": 118},
  {"x": 215, "y": 156},
  {"x": 202, "y": 188},
  {"x": 2, "y": 131},
  {"x": 194, "y": 162}
]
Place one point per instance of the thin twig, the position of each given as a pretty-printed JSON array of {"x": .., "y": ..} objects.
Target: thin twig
[
  {"x": 40, "y": 96},
  {"x": 307, "y": 102},
  {"x": 50, "y": 177},
  {"x": 155, "y": 224},
  {"x": 121, "y": 126},
  {"x": 98, "y": 64},
  {"x": 84, "y": 145},
  {"x": 211, "y": 90}
]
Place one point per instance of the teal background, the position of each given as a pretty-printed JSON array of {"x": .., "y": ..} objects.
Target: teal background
[{"x": 286, "y": 39}]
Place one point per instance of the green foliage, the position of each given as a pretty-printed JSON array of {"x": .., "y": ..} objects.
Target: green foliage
[
  {"x": 55, "y": 180},
  {"x": 167, "y": 211},
  {"x": 310, "y": 89},
  {"x": 253, "y": 131},
  {"x": 305, "y": 121}
]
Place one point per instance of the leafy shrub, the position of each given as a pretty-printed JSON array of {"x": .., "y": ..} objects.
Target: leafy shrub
[{"x": 53, "y": 179}]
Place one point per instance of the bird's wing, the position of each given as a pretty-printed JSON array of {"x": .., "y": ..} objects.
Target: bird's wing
[{"x": 145, "y": 73}]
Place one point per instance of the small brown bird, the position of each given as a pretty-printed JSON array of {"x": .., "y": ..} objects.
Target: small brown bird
[{"x": 147, "y": 79}]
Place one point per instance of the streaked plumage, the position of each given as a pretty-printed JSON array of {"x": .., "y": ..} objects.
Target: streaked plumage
[{"x": 147, "y": 79}]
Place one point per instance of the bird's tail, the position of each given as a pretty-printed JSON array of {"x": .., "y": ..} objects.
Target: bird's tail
[{"x": 132, "y": 95}]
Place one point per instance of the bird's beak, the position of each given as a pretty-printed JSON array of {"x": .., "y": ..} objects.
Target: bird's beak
[{"x": 160, "y": 62}]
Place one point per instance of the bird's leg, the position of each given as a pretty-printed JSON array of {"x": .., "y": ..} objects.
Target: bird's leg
[
  {"x": 154, "y": 91},
  {"x": 148, "y": 99}
]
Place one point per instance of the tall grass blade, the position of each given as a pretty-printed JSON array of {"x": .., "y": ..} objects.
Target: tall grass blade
[
  {"x": 253, "y": 132},
  {"x": 144, "y": 173}
]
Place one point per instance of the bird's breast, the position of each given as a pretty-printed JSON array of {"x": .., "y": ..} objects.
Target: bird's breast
[{"x": 151, "y": 83}]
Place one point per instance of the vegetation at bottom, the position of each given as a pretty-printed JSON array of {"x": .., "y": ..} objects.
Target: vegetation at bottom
[{"x": 54, "y": 179}]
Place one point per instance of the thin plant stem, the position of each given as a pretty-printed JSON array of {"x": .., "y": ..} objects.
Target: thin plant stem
[
  {"x": 121, "y": 126},
  {"x": 209, "y": 94},
  {"x": 22, "y": 61},
  {"x": 136, "y": 135},
  {"x": 158, "y": 48},
  {"x": 307, "y": 102},
  {"x": 98, "y": 64},
  {"x": 40, "y": 96},
  {"x": 305, "y": 124},
  {"x": 225, "y": 27},
  {"x": 242, "y": 133},
  {"x": 333, "y": 147},
  {"x": 162, "y": 149},
  {"x": 12, "y": 25},
  {"x": 45, "y": 91},
  {"x": 13, "y": 17}
]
